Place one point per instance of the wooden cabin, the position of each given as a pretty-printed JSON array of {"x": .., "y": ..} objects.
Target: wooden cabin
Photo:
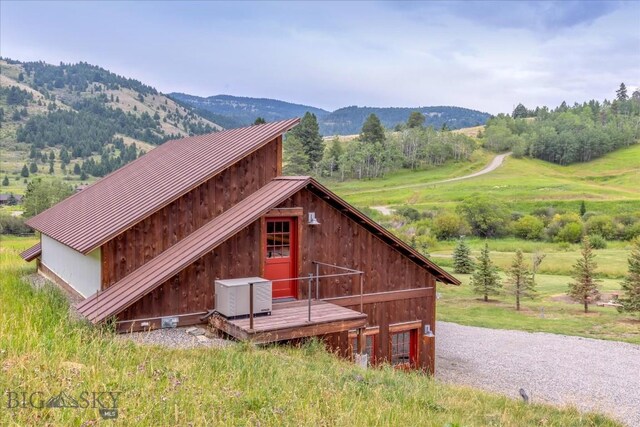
[{"x": 144, "y": 246}]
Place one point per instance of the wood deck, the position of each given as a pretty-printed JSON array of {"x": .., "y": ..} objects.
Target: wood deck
[{"x": 289, "y": 320}]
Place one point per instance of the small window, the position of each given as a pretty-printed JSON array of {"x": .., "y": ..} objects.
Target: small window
[
  {"x": 278, "y": 238},
  {"x": 371, "y": 338},
  {"x": 404, "y": 348}
]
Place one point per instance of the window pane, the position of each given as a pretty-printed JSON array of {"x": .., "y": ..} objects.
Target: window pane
[
  {"x": 269, "y": 227},
  {"x": 285, "y": 226}
]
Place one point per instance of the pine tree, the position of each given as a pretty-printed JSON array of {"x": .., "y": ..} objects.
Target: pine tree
[
  {"x": 621, "y": 93},
  {"x": 583, "y": 208},
  {"x": 84, "y": 176},
  {"x": 5, "y": 181},
  {"x": 25, "y": 171},
  {"x": 259, "y": 121},
  {"x": 416, "y": 120},
  {"x": 584, "y": 288},
  {"x": 52, "y": 156},
  {"x": 462, "y": 262},
  {"x": 308, "y": 132},
  {"x": 631, "y": 283},
  {"x": 296, "y": 160},
  {"x": 76, "y": 169},
  {"x": 520, "y": 279},
  {"x": 485, "y": 280},
  {"x": 372, "y": 130},
  {"x": 51, "y": 167},
  {"x": 33, "y": 168}
]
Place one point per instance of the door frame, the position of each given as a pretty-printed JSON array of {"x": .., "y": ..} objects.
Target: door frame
[{"x": 296, "y": 214}]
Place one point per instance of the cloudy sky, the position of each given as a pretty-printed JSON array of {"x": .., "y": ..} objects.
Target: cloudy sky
[{"x": 487, "y": 56}]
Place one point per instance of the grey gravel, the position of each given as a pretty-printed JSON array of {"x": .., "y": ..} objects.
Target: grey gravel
[
  {"x": 175, "y": 338},
  {"x": 592, "y": 375}
]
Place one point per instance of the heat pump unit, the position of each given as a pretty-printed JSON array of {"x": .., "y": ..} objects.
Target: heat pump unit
[{"x": 232, "y": 296}]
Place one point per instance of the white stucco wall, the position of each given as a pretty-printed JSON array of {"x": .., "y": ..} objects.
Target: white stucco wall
[{"x": 82, "y": 272}]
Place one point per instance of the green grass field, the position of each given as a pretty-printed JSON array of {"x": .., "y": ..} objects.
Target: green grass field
[
  {"x": 42, "y": 349},
  {"x": 608, "y": 185}
]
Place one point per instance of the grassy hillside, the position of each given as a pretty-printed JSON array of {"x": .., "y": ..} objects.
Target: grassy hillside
[
  {"x": 90, "y": 95},
  {"x": 608, "y": 185},
  {"x": 41, "y": 349}
]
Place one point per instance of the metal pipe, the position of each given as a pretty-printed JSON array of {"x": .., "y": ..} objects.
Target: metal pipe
[
  {"x": 321, "y": 276},
  {"x": 336, "y": 266},
  {"x": 250, "y": 305},
  {"x": 361, "y": 292},
  {"x": 317, "y": 281},
  {"x": 309, "y": 294}
]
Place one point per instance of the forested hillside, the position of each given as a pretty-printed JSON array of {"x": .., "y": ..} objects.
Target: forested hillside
[
  {"x": 240, "y": 111},
  {"x": 568, "y": 134},
  {"x": 80, "y": 120}
]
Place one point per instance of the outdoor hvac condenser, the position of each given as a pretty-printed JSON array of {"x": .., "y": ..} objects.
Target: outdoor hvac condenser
[{"x": 232, "y": 296}]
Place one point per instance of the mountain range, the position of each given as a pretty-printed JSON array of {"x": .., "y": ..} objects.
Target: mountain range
[{"x": 234, "y": 111}]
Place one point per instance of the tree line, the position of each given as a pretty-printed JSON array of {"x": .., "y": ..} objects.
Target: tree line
[
  {"x": 375, "y": 152},
  {"x": 567, "y": 134},
  {"x": 520, "y": 280}
]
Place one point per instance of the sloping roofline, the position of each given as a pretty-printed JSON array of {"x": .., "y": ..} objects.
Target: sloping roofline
[
  {"x": 95, "y": 215},
  {"x": 158, "y": 270}
]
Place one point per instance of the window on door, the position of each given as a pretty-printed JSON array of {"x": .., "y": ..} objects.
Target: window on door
[
  {"x": 404, "y": 346},
  {"x": 278, "y": 239}
]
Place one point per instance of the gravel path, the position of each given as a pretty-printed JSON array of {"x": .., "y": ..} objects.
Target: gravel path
[
  {"x": 592, "y": 375},
  {"x": 173, "y": 338}
]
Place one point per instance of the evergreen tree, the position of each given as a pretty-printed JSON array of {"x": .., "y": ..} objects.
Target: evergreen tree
[
  {"x": 51, "y": 167},
  {"x": 520, "y": 112},
  {"x": 296, "y": 160},
  {"x": 621, "y": 93},
  {"x": 25, "y": 171},
  {"x": 372, "y": 130},
  {"x": 259, "y": 121},
  {"x": 20, "y": 77},
  {"x": 5, "y": 181},
  {"x": 308, "y": 132},
  {"x": 52, "y": 155},
  {"x": 84, "y": 176},
  {"x": 584, "y": 288},
  {"x": 33, "y": 153},
  {"x": 64, "y": 156},
  {"x": 416, "y": 120},
  {"x": 583, "y": 208},
  {"x": 462, "y": 262},
  {"x": 485, "y": 280},
  {"x": 631, "y": 283},
  {"x": 76, "y": 169},
  {"x": 33, "y": 168},
  {"x": 520, "y": 279}
]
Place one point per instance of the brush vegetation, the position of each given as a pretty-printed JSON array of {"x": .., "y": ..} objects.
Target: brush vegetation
[{"x": 42, "y": 349}]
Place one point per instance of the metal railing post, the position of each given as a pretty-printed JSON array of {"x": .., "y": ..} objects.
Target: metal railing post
[
  {"x": 250, "y": 305},
  {"x": 317, "y": 281},
  {"x": 361, "y": 292},
  {"x": 309, "y": 295}
]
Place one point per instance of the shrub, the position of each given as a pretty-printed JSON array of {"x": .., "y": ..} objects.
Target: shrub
[
  {"x": 632, "y": 231},
  {"x": 408, "y": 212},
  {"x": 571, "y": 232},
  {"x": 602, "y": 225},
  {"x": 449, "y": 225},
  {"x": 13, "y": 225},
  {"x": 487, "y": 218},
  {"x": 528, "y": 227},
  {"x": 597, "y": 241}
]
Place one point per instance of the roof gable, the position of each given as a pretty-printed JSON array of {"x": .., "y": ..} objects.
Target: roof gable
[{"x": 98, "y": 213}]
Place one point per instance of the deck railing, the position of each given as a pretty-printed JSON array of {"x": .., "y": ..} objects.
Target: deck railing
[{"x": 310, "y": 278}]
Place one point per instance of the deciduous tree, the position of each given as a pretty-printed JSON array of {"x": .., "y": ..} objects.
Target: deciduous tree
[{"x": 41, "y": 195}]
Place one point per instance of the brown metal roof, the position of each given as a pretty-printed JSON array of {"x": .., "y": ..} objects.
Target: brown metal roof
[
  {"x": 130, "y": 289},
  {"x": 103, "y": 210},
  {"x": 32, "y": 253}
]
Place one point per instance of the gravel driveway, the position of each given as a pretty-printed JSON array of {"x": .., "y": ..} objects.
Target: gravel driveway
[{"x": 592, "y": 375}]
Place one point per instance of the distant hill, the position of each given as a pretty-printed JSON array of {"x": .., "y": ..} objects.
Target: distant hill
[
  {"x": 54, "y": 117},
  {"x": 244, "y": 111},
  {"x": 232, "y": 111}
]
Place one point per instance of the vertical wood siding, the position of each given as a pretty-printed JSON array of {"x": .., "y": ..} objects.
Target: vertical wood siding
[{"x": 153, "y": 235}]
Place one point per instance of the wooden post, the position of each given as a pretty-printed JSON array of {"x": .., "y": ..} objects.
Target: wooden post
[
  {"x": 362, "y": 341},
  {"x": 250, "y": 305}
]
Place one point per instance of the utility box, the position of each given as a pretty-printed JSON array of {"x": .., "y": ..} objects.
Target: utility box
[{"x": 232, "y": 297}]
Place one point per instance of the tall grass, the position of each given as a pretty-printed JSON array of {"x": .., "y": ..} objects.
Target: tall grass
[{"x": 43, "y": 349}]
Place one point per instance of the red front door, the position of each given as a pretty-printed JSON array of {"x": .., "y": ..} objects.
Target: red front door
[{"x": 280, "y": 252}]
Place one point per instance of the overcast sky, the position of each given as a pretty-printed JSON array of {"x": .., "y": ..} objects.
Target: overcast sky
[{"x": 486, "y": 56}]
